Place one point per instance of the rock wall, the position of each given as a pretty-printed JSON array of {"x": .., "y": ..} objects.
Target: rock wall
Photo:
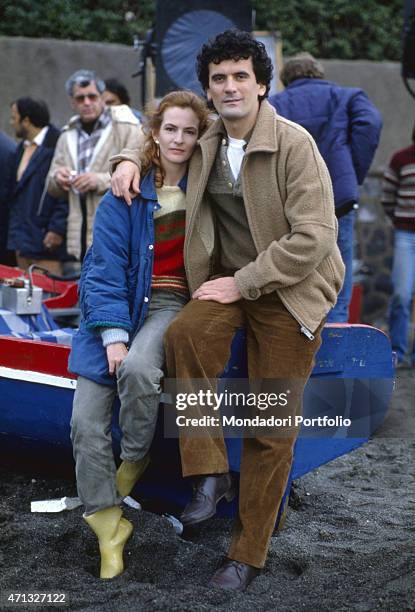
[{"x": 39, "y": 68}]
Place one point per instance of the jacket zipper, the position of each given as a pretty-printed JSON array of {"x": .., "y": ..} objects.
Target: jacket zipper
[{"x": 303, "y": 328}]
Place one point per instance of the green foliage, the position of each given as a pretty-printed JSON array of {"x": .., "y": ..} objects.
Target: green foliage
[
  {"x": 341, "y": 29},
  {"x": 99, "y": 20}
]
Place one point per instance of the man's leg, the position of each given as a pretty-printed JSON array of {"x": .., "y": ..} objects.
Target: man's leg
[
  {"x": 92, "y": 445},
  {"x": 277, "y": 351},
  {"x": 53, "y": 266},
  {"x": 198, "y": 344},
  {"x": 403, "y": 276},
  {"x": 340, "y": 312}
]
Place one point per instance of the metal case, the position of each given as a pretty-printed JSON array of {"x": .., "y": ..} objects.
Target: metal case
[{"x": 21, "y": 300}]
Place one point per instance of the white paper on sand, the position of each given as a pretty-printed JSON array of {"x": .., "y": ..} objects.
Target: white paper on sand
[{"x": 55, "y": 505}]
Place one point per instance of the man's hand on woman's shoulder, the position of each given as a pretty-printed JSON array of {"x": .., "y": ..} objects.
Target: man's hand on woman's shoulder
[{"x": 125, "y": 181}]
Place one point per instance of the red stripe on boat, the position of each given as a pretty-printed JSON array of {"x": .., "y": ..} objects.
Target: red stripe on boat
[{"x": 45, "y": 357}]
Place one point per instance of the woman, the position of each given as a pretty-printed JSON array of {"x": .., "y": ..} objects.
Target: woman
[{"x": 133, "y": 284}]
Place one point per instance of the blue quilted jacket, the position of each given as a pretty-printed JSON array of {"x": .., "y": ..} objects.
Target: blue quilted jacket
[{"x": 115, "y": 286}]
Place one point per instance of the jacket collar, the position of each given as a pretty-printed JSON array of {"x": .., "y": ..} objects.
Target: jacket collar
[
  {"x": 148, "y": 189},
  {"x": 36, "y": 159},
  {"x": 307, "y": 81},
  {"x": 263, "y": 136}
]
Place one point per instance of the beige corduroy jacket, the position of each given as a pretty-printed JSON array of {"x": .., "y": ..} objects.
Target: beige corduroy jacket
[
  {"x": 290, "y": 209},
  {"x": 124, "y": 131}
]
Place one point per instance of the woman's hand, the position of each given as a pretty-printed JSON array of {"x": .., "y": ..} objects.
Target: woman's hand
[
  {"x": 125, "y": 182},
  {"x": 116, "y": 353}
]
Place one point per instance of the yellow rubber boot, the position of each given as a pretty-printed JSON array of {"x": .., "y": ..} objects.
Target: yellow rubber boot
[
  {"x": 128, "y": 474},
  {"x": 112, "y": 531}
]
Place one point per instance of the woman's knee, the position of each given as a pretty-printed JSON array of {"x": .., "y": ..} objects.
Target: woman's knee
[{"x": 137, "y": 371}]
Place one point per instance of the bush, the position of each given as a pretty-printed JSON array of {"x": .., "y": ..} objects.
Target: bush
[
  {"x": 100, "y": 20},
  {"x": 338, "y": 29},
  {"x": 341, "y": 29}
]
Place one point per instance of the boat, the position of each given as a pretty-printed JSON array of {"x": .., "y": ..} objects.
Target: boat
[{"x": 353, "y": 378}]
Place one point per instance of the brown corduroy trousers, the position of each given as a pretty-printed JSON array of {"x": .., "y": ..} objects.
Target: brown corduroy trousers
[{"x": 198, "y": 344}]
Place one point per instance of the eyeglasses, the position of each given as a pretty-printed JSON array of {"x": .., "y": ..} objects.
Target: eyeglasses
[{"x": 90, "y": 96}]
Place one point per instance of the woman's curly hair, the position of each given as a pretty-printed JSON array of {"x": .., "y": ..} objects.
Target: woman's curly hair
[
  {"x": 150, "y": 152},
  {"x": 235, "y": 45}
]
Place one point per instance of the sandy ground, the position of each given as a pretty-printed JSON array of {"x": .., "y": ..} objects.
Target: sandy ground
[{"x": 348, "y": 544}]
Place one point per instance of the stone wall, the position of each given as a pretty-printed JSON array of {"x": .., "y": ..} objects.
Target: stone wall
[{"x": 39, "y": 68}]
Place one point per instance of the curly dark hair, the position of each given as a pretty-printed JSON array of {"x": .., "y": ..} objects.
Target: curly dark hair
[{"x": 236, "y": 45}]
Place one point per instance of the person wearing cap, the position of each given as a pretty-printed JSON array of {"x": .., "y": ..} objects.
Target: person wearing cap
[
  {"x": 79, "y": 169},
  {"x": 346, "y": 127}
]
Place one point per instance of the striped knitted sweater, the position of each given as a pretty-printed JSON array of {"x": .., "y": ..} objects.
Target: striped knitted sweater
[
  {"x": 169, "y": 226},
  {"x": 168, "y": 267},
  {"x": 398, "y": 189}
]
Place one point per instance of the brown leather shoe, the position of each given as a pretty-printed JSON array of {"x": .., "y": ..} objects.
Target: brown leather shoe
[
  {"x": 206, "y": 494},
  {"x": 234, "y": 575}
]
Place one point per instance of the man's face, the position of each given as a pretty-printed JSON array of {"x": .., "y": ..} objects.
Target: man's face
[
  {"x": 87, "y": 102},
  {"x": 233, "y": 89},
  {"x": 16, "y": 122}
]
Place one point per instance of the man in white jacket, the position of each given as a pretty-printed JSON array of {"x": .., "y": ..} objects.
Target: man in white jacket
[{"x": 79, "y": 168}]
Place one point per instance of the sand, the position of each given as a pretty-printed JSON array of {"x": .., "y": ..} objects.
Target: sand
[{"x": 348, "y": 543}]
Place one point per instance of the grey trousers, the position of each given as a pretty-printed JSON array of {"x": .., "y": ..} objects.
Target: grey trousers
[{"x": 138, "y": 384}]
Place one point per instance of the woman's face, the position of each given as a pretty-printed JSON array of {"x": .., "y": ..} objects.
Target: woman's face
[{"x": 177, "y": 135}]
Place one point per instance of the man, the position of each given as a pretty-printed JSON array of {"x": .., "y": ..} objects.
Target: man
[
  {"x": 37, "y": 223},
  {"x": 260, "y": 251},
  {"x": 398, "y": 199},
  {"x": 7, "y": 151},
  {"x": 79, "y": 167},
  {"x": 346, "y": 127}
]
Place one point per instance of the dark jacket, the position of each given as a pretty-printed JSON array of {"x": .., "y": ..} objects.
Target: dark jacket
[
  {"x": 33, "y": 212},
  {"x": 115, "y": 286},
  {"x": 7, "y": 152},
  {"x": 345, "y": 125}
]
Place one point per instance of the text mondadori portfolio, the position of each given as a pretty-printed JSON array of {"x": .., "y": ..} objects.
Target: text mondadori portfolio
[{"x": 259, "y": 421}]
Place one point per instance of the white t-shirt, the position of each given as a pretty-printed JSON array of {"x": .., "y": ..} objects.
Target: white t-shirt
[{"x": 235, "y": 154}]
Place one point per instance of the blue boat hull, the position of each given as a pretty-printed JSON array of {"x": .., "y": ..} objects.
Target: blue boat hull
[{"x": 353, "y": 377}]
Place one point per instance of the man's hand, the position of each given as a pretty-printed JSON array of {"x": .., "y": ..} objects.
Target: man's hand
[
  {"x": 52, "y": 241},
  {"x": 116, "y": 353},
  {"x": 63, "y": 177},
  {"x": 85, "y": 182},
  {"x": 125, "y": 181},
  {"x": 223, "y": 290}
]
